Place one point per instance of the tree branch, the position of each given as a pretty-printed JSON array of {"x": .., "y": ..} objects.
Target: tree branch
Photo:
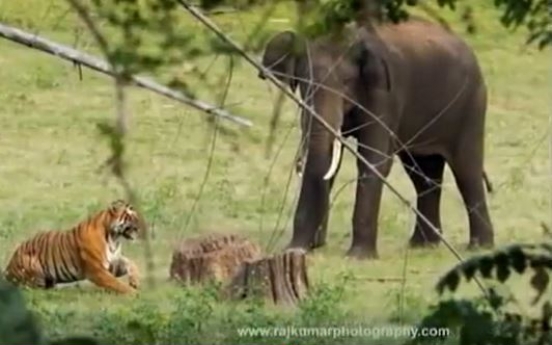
[{"x": 99, "y": 65}]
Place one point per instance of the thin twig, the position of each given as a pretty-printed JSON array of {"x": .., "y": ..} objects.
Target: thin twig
[
  {"x": 211, "y": 156},
  {"x": 550, "y": 160},
  {"x": 118, "y": 169},
  {"x": 121, "y": 128}
]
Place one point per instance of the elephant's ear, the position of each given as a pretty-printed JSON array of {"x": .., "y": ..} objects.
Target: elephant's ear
[
  {"x": 373, "y": 63},
  {"x": 280, "y": 56}
]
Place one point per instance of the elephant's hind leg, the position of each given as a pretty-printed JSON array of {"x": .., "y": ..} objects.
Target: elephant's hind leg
[
  {"x": 426, "y": 174},
  {"x": 468, "y": 171}
]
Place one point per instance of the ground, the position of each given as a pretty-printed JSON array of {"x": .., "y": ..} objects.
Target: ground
[{"x": 51, "y": 151}]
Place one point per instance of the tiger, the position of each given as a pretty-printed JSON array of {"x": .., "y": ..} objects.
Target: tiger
[{"x": 91, "y": 250}]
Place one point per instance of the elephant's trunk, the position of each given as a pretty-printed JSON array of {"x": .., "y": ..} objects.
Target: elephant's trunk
[
  {"x": 314, "y": 197},
  {"x": 322, "y": 161},
  {"x": 336, "y": 158}
]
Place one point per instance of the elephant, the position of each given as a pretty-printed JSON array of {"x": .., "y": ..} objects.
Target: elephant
[{"x": 413, "y": 89}]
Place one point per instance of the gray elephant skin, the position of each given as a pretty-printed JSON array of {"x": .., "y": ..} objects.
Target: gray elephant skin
[{"x": 413, "y": 89}]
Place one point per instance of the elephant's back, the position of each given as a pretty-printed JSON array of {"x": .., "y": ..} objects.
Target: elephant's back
[
  {"x": 422, "y": 38},
  {"x": 426, "y": 53},
  {"x": 432, "y": 66}
]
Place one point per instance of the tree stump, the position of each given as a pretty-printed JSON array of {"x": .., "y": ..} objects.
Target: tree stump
[
  {"x": 282, "y": 278},
  {"x": 213, "y": 257}
]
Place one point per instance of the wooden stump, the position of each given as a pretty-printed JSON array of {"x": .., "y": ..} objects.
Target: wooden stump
[
  {"x": 211, "y": 257},
  {"x": 281, "y": 278}
]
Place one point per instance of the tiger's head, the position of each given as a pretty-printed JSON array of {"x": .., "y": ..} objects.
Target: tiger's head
[{"x": 124, "y": 221}]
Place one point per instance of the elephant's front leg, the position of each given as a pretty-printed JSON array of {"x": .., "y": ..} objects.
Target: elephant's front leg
[{"x": 374, "y": 147}]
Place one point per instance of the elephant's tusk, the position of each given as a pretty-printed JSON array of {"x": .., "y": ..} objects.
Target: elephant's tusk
[
  {"x": 336, "y": 157},
  {"x": 299, "y": 167}
]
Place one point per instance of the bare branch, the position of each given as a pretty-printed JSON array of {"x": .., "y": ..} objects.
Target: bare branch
[
  {"x": 121, "y": 127},
  {"x": 99, "y": 65}
]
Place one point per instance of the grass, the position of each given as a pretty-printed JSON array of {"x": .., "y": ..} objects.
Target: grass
[{"x": 51, "y": 150}]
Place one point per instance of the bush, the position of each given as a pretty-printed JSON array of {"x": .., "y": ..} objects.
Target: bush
[
  {"x": 490, "y": 319},
  {"x": 19, "y": 326}
]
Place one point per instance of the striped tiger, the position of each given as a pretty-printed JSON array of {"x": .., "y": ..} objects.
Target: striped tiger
[{"x": 91, "y": 250}]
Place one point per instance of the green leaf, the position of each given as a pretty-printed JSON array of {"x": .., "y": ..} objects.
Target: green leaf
[
  {"x": 486, "y": 265},
  {"x": 518, "y": 259},
  {"x": 451, "y": 281},
  {"x": 539, "y": 282},
  {"x": 18, "y": 325},
  {"x": 495, "y": 300},
  {"x": 502, "y": 261},
  {"x": 469, "y": 269}
]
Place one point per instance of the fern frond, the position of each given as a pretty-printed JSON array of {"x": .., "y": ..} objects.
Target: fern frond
[{"x": 499, "y": 265}]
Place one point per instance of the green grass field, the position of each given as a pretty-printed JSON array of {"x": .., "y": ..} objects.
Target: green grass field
[{"x": 51, "y": 150}]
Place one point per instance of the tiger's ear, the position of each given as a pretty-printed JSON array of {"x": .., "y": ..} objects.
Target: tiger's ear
[
  {"x": 117, "y": 204},
  {"x": 115, "y": 207}
]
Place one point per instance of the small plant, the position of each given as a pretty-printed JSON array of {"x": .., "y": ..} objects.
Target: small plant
[
  {"x": 18, "y": 325},
  {"x": 486, "y": 320}
]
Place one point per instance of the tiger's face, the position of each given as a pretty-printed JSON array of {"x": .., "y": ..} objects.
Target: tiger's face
[{"x": 125, "y": 221}]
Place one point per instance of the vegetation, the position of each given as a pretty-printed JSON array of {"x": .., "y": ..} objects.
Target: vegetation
[
  {"x": 192, "y": 176},
  {"x": 489, "y": 319},
  {"x": 19, "y": 326}
]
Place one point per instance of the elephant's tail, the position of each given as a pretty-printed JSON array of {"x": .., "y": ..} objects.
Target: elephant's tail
[{"x": 488, "y": 183}]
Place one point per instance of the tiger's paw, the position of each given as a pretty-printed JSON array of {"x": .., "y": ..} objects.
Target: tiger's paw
[{"x": 134, "y": 283}]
